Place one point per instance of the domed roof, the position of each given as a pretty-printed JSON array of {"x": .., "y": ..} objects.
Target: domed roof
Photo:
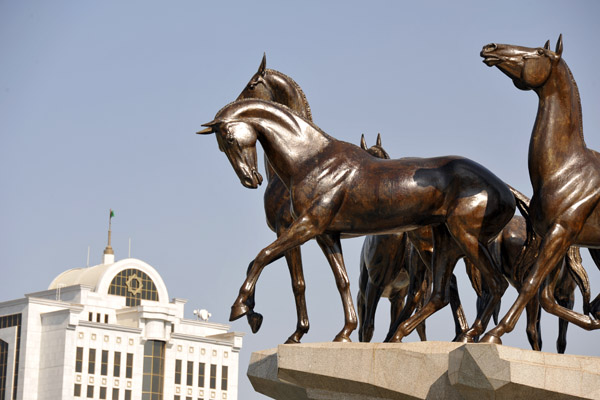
[{"x": 99, "y": 277}]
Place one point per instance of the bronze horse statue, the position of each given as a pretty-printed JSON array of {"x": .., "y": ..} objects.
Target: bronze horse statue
[
  {"x": 269, "y": 84},
  {"x": 564, "y": 173},
  {"x": 337, "y": 188},
  {"x": 384, "y": 272}
]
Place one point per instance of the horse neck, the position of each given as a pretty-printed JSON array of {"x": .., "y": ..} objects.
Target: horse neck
[
  {"x": 557, "y": 134},
  {"x": 290, "y": 147},
  {"x": 288, "y": 92}
]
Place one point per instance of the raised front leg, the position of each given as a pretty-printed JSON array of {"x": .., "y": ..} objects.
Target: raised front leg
[
  {"x": 331, "y": 246},
  {"x": 302, "y": 230}
]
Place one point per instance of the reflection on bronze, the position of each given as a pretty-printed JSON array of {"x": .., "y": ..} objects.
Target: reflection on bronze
[
  {"x": 268, "y": 84},
  {"x": 386, "y": 270},
  {"x": 336, "y": 188},
  {"x": 565, "y": 175}
]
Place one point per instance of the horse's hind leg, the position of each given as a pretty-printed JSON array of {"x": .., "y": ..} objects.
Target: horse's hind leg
[
  {"x": 458, "y": 313},
  {"x": 372, "y": 297},
  {"x": 331, "y": 246},
  {"x": 477, "y": 252},
  {"x": 294, "y": 262},
  {"x": 534, "y": 333},
  {"x": 445, "y": 256}
]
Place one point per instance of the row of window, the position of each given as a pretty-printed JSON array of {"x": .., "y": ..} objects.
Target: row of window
[
  {"x": 189, "y": 374},
  {"x": 103, "y": 391},
  {"x": 104, "y": 363},
  {"x": 98, "y": 317}
]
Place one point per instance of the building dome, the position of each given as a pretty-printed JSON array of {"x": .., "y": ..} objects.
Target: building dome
[{"x": 130, "y": 277}]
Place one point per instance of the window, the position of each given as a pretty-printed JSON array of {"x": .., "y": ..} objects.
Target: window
[
  {"x": 102, "y": 392},
  {"x": 190, "y": 373},
  {"x": 3, "y": 367},
  {"x": 201, "y": 374},
  {"x": 129, "y": 368},
  {"x": 127, "y": 394},
  {"x": 154, "y": 362},
  {"x": 98, "y": 317},
  {"x": 104, "y": 365},
  {"x": 106, "y": 318},
  {"x": 224, "y": 377},
  {"x": 79, "y": 360},
  {"x": 92, "y": 362},
  {"x": 177, "y": 397},
  {"x": 90, "y": 392},
  {"x": 77, "y": 391},
  {"x": 91, "y": 317},
  {"x": 213, "y": 376},
  {"x": 115, "y": 394},
  {"x": 178, "y": 372},
  {"x": 134, "y": 285},
  {"x": 117, "y": 365},
  {"x": 8, "y": 321}
]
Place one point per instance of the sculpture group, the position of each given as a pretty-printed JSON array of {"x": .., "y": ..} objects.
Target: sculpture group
[{"x": 422, "y": 215}]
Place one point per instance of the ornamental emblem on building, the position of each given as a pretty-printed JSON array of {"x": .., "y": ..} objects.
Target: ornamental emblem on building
[{"x": 134, "y": 284}]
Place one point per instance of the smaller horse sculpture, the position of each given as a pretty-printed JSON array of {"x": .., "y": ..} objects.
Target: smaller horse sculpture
[
  {"x": 564, "y": 173},
  {"x": 384, "y": 272},
  {"x": 337, "y": 188}
]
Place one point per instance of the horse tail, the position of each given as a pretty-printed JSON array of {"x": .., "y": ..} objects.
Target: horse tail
[
  {"x": 531, "y": 248},
  {"x": 577, "y": 271}
]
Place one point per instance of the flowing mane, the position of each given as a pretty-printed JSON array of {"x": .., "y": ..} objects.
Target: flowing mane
[
  {"x": 578, "y": 98},
  {"x": 298, "y": 88}
]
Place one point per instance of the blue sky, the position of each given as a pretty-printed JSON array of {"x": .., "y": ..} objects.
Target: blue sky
[{"x": 99, "y": 103}]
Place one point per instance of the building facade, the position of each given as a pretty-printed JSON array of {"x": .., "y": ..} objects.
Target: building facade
[{"x": 111, "y": 332}]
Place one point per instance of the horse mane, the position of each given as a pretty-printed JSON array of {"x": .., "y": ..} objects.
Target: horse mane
[
  {"x": 297, "y": 87},
  {"x": 578, "y": 99}
]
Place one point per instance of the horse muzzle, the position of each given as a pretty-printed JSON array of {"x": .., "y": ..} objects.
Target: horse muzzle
[{"x": 253, "y": 181}]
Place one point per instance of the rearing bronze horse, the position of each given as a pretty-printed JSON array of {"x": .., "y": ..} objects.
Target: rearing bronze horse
[
  {"x": 337, "y": 188},
  {"x": 564, "y": 173}
]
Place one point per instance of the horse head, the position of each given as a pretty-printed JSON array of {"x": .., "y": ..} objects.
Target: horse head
[
  {"x": 529, "y": 68},
  {"x": 237, "y": 139},
  {"x": 376, "y": 150},
  {"x": 259, "y": 87}
]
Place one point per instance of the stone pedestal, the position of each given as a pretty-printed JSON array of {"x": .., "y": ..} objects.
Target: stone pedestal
[{"x": 423, "y": 370}]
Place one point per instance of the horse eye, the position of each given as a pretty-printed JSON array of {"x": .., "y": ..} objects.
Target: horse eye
[
  {"x": 229, "y": 138},
  {"x": 540, "y": 52}
]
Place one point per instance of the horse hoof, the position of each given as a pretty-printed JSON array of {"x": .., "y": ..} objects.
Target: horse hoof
[
  {"x": 292, "y": 340},
  {"x": 463, "y": 338},
  {"x": 255, "y": 321},
  {"x": 238, "y": 311},
  {"x": 395, "y": 339},
  {"x": 342, "y": 338},
  {"x": 489, "y": 338}
]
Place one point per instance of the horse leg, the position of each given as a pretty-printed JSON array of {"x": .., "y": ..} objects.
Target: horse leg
[
  {"x": 303, "y": 229},
  {"x": 397, "y": 303},
  {"x": 254, "y": 319},
  {"x": 534, "y": 334},
  {"x": 495, "y": 284},
  {"x": 458, "y": 313},
  {"x": 372, "y": 297},
  {"x": 331, "y": 246},
  {"x": 363, "y": 281},
  {"x": 445, "y": 256},
  {"x": 417, "y": 289},
  {"x": 294, "y": 262},
  {"x": 553, "y": 248}
]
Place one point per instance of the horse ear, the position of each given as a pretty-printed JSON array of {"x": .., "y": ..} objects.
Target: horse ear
[
  {"x": 262, "y": 69},
  {"x": 379, "y": 140},
  {"x": 210, "y": 128},
  {"x": 547, "y": 45},
  {"x": 363, "y": 143},
  {"x": 559, "y": 46}
]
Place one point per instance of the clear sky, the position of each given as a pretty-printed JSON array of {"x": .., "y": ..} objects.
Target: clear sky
[{"x": 100, "y": 102}]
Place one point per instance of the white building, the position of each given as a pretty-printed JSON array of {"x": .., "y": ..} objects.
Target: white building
[{"x": 110, "y": 332}]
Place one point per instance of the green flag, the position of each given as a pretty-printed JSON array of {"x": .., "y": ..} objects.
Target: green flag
[{"x": 112, "y": 213}]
